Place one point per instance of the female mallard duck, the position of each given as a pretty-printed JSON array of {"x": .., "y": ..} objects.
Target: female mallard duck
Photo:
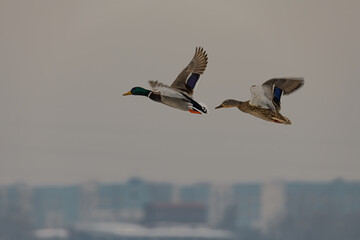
[
  {"x": 265, "y": 99},
  {"x": 179, "y": 94}
]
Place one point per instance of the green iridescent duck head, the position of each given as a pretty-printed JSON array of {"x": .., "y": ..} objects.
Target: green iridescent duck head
[{"x": 138, "y": 91}]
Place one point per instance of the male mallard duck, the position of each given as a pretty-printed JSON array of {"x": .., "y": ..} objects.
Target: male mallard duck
[
  {"x": 265, "y": 99},
  {"x": 179, "y": 94}
]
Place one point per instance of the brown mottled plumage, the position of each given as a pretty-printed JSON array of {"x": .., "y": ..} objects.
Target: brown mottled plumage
[
  {"x": 265, "y": 99},
  {"x": 263, "y": 113}
]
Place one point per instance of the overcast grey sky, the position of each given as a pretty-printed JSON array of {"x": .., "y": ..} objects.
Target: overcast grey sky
[{"x": 65, "y": 64}]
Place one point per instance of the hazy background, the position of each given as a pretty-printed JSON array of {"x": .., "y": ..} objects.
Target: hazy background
[{"x": 65, "y": 64}]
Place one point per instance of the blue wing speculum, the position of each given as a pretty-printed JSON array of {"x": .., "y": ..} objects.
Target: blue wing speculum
[
  {"x": 277, "y": 95},
  {"x": 192, "y": 80}
]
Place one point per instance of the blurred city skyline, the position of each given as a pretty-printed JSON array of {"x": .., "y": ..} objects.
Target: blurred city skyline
[{"x": 138, "y": 208}]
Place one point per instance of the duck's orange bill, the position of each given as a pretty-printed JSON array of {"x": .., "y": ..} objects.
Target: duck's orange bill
[{"x": 193, "y": 111}]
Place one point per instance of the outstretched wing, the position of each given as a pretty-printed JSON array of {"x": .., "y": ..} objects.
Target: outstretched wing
[
  {"x": 155, "y": 85},
  {"x": 187, "y": 79},
  {"x": 274, "y": 88},
  {"x": 164, "y": 90}
]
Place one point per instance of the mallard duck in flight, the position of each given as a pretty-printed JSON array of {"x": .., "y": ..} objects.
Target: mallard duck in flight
[
  {"x": 179, "y": 94},
  {"x": 265, "y": 99}
]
